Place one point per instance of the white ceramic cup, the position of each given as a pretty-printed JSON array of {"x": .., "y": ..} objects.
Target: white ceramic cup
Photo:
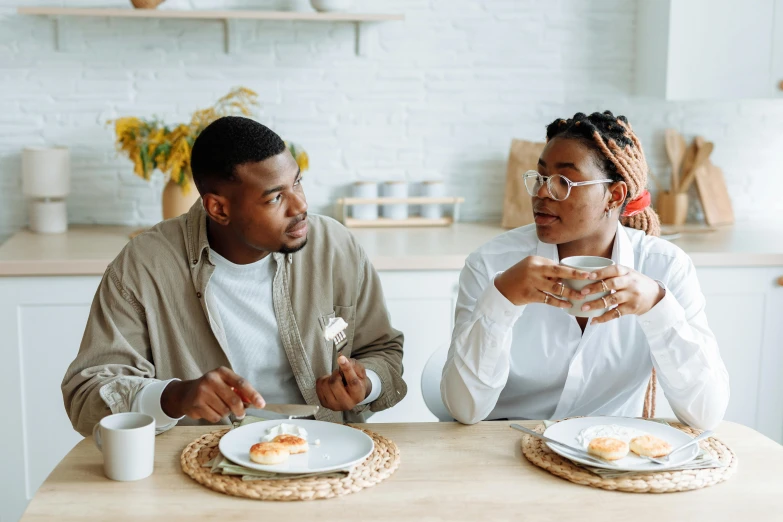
[
  {"x": 127, "y": 441},
  {"x": 587, "y": 264}
]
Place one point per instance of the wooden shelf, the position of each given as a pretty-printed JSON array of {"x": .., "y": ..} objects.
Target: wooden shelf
[
  {"x": 211, "y": 15},
  {"x": 229, "y": 17},
  {"x": 414, "y": 221}
]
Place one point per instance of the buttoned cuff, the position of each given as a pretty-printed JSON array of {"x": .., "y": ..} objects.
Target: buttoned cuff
[
  {"x": 148, "y": 401},
  {"x": 494, "y": 305},
  {"x": 663, "y": 316},
  {"x": 377, "y": 387}
]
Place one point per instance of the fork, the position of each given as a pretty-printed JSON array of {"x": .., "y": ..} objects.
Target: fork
[
  {"x": 335, "y": 332},
  {"x": 665, "y": 459}
]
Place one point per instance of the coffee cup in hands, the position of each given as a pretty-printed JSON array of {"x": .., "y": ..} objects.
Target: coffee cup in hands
[
  {"x": 586, "y": 264},
  {"x": 127, "y": 441}
]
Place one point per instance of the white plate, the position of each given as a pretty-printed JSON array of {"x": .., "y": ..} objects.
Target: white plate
[
  {"x": 566, "y": 432},
  {"x": 341, "y": 447}
]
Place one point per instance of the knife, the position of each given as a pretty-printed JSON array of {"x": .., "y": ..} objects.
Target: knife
[
  {"x": 292, "y": 410},
  {"x": 289, "y": 410}
]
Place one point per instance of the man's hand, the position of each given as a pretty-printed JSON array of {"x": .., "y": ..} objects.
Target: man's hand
[
  {"x": 345, "y": 388},
  {"x": 210, "y": 397}
]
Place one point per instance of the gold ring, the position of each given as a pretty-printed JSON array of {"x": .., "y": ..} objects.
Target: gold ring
[
  {"x": 546, "y": 298},
  {"x": 619, "y": 314},
  {"x": 604, "y": 300},
  {"x": 603, "y": 285},
  {"x": 562, "y": 289}
]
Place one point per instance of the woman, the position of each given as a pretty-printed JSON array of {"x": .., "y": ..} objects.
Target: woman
[{"x": 515, "y": 352}]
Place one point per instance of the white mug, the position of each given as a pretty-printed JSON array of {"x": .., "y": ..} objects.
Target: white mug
[
  {"x": 586, "y": 264},
  {"x": 127, "y": 441}
]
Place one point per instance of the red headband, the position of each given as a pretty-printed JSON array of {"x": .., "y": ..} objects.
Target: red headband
[{"x": 636, "y": 206}]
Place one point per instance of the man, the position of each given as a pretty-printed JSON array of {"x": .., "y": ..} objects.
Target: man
[{"x": 226, "y": 306}]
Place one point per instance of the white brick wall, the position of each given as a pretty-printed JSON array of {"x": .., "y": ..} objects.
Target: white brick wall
[{"x": 444, "y": 91}]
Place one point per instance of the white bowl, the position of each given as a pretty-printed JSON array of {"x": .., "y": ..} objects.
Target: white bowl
[{"x": 326, "y": 6}]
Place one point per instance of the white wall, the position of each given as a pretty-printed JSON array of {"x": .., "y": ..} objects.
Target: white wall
[{"x": 443, "y": 92}]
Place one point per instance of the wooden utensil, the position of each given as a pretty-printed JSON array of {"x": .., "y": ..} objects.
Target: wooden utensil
[
  {"x": 676, "y": 148},
  {"x": 714, "y": 195},
  {"x": 703, "y": 151}
]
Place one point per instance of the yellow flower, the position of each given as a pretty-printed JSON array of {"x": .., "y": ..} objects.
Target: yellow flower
[{"x": 151, "y": 145}]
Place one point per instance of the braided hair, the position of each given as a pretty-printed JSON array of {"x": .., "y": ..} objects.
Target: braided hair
[{"x": 623, "y": 157}]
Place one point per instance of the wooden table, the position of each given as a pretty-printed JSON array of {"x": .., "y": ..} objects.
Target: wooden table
[{"x": 448, "y": 472}]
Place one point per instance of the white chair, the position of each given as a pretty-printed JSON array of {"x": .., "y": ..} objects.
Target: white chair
[{"x": 430, "y": 384}]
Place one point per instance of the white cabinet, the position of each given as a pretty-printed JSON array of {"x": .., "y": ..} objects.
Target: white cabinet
[
  {"x": 421, "y": 305},
  {"x": 709, "y": 49},
  {"x": 42, "y": 320}
]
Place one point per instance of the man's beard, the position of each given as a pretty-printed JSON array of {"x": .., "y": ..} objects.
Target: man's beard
[{"x": 292, "y": 250}]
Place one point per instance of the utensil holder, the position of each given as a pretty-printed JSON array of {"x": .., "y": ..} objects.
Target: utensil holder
[{"x": 672, "y": 207}]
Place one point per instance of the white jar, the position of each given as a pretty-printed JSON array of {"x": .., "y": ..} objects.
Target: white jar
[
  {"x": 432, "y": 189},
  {"x": 395, "y": 189},
  {"x": 365, "y": 190}
]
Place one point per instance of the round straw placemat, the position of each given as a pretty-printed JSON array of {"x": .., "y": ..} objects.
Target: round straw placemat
[
  {"x": 537, "y": 452},
  {"x": 379, "y": 466}
]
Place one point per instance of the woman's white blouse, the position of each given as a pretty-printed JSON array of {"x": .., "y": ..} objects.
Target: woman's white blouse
[{"x": 534, "y": 362}]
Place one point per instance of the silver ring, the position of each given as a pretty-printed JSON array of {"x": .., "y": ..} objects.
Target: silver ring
[
  {"x": 603, "y": 285},
  {"x": 619, "y": 313},
  {"x": 604, "y": 300},
  {"x": 546, "y": 298},
  {"x": 562, "y": 289}
]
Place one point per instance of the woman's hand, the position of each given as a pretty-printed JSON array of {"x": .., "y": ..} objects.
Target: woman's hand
[
  {"x": 539, "y": 280},
  {"x": 632, "y": 293}
]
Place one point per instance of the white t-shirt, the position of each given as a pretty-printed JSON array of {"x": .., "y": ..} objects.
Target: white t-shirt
[{"x": 243, "y": 298}]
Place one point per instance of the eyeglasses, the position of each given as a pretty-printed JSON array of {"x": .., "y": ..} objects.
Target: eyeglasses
[{"x": 559, "y": 187}]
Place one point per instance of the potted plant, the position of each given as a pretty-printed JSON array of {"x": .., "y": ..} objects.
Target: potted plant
[{"x": 151, "y": 144}]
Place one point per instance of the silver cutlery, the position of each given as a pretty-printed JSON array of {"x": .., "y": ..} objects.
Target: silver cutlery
[
  {"x": 292, "y": 411},
  {"x": 569, "y": 449},
  {"x": 335, "y": 332},
  {"x": 665, "y": 459}
]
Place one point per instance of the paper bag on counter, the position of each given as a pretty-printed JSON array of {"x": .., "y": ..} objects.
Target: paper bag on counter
[{"x": 517, "y": 209}]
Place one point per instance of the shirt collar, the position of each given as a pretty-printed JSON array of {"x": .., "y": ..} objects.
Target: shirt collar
[{"x": 622, "y": 251}]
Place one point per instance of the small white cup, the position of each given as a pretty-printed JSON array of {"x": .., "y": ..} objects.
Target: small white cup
[
  {"x": 127, "y": 441},
  {"x": 586, "y": 264}
]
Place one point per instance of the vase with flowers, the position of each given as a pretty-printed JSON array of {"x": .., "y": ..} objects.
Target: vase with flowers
[{"x": 153, "y": 145}]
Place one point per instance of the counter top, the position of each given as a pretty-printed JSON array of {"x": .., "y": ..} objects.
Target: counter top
[{"x": 87, "y": 250}]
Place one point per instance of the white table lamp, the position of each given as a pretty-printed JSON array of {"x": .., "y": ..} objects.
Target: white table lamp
[{"x": 46, "y": 180}]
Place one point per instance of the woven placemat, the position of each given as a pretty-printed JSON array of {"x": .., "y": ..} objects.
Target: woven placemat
[
  {"x": 537, "y": 452},
  {"x": 379, "y": 466}
]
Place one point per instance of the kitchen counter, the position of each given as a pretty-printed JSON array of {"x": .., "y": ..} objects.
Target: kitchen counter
[{"x": 87, "y": 250}]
